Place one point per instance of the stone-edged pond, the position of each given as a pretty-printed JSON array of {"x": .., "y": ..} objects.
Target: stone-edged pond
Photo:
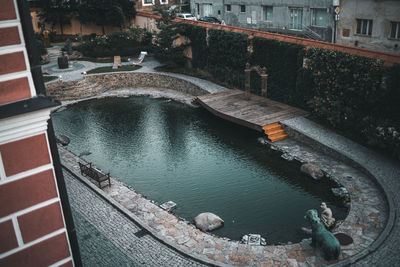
[{"x": 171, "y": 151}]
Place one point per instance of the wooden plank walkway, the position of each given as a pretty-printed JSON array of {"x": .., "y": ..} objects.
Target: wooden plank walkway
[{"x": 248, "y": 109}]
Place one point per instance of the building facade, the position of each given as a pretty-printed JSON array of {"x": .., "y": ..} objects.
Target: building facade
[
  {"x": 147, "y": 5},
  {"x": 36, "y": 227},
  {"x": 370, "y": 24},
  {"x": 307, "y": 18}
]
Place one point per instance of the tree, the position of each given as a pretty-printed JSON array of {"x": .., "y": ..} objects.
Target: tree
[
  {"x": 106, "y": 12},
  {"x": 57, "y": 12}
]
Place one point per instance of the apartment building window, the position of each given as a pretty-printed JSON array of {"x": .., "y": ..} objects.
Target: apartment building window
[
  {"x": 395, "y": 30},
  {"x": 296, "y": 18},
  {"x": 228, "y": 8},
  {"x": 242, "y": 8},
  {"x": 364, "y": 26},
  {"x": 208, "y": 10},
  {"x": 147, "y": 2},
  {"x": 319, "y": 17},
  {"x": 268, "y": 13},
  {"x": 163, "y": 2}
]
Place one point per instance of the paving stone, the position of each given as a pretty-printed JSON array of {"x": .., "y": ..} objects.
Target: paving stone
[{"x": 107, "y": 238}]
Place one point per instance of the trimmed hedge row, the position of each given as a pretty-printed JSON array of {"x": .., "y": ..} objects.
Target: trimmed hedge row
[
  {"x": 357, "y": 95},
  {"x": 227, "y": 56},
  {"x": 197, "y": 36},
  {"x": 116, "y": 44},
  {"x": 283, "y": 61}
]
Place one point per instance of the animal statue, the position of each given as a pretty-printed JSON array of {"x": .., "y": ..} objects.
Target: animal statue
[
  {"x": 322, "y": 238},
  {"x": 326, "y": 216}
]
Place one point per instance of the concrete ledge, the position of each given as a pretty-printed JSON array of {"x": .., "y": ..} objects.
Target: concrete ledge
[{"x": 97, "y": 84}]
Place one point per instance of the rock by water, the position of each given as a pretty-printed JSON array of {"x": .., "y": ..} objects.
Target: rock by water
[
  {"x": 63, "y": 140},
  {"x": 208, "y": 221},
  {"x": 312, "y": 170}
]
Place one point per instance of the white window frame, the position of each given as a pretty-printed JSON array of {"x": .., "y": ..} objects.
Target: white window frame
[
  {"x": 164, "y": 2},
  {"x": 262, "y": 13},
  {"x": 290, "y": 18},
  {"x": 313, "y": 20},
  {"x": 2, "y": 170},
  {"x": 148, "y": 4},
  {"x": 369, "y": 26},
  {"x": 397, "y": 34}
]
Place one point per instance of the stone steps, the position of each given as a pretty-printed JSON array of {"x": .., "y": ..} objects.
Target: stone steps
[{"x": 274, "y": 132}]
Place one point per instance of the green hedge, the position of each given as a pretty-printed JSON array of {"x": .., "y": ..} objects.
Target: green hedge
[
  {"x": 357, "y": 95},
  {"x": 40, "y": 44},
  {"x": 283, "y": 61},
  {"x": 227, "y": 56},
  {"x": 116, "y": 44},
  {"x": 198, "y": 42},
  {"x": 346, "y": 87}
]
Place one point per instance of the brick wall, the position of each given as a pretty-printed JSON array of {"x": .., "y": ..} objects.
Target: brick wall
[{"x": 32, "y": 227}]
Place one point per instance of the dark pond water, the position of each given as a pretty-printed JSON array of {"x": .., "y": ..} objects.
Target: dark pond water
[{"x": 170, "y": 151}]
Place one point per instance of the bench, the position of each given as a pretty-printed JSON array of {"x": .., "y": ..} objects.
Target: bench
[{"x": 89, "y": 171}]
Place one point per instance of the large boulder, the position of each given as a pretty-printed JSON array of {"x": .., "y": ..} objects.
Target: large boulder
[
  {"x": 312, "y": 170},
  {"x": 63, "y": 140},
  {"x": 208, "y": 221}
]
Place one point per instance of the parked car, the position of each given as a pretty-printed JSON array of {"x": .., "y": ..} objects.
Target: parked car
[
  {"x": 186, "y": 16},
  {"x": 210, "y": 19}
]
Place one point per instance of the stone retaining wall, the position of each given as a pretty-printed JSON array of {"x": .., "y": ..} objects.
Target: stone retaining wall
[{"x": 97, "y": 84}]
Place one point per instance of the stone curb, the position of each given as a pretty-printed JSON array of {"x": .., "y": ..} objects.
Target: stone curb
[
  {"x": 302, "y": 136},
  {"x": 142, "y": 224}
]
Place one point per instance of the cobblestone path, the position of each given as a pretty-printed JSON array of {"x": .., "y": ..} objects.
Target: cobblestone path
[
  {"x": 107, "y": 238},
  {"x": 96, "y": 250}
]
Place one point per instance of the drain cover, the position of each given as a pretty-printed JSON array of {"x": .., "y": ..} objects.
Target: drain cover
[
  {"x": 344, "y": 239},
  {"x": 168, "y": 205},
  {"x": 254, "y": 239}
]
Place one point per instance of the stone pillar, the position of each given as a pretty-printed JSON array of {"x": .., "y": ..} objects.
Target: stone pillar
[
  {"x": 247, "y": 72},
  {"x": 264, "y": 77}
]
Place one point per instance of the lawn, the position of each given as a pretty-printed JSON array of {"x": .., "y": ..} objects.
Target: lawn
[
  {"x": 110, "y": 69},
  {"x": 101, "y": 60}
]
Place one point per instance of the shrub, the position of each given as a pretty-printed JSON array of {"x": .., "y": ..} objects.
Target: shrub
[
  {"x": 283, "y": 61},
  {"x": 40, "y": 44},
  {"x": 116, "y": 44},
  {"x": 346, "y": 87},
  {"x": 227, "y": 56},
  {"x": 198, "y": 42},
  {"x": 357, "y": 95}
]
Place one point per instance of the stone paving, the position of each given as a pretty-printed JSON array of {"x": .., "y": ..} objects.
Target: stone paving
[
  {"x": 108, "y": 238},
  {"x": 95, "y": 248},
  {"x": 71, "y": 74},
  {"x": 385, "y": 252}
]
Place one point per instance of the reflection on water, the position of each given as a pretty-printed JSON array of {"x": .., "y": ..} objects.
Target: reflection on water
[{"x": 170, "y": 151}]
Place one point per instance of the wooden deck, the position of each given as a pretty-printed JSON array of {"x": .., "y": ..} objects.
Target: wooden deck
[{"x": 247, "y": 109}]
